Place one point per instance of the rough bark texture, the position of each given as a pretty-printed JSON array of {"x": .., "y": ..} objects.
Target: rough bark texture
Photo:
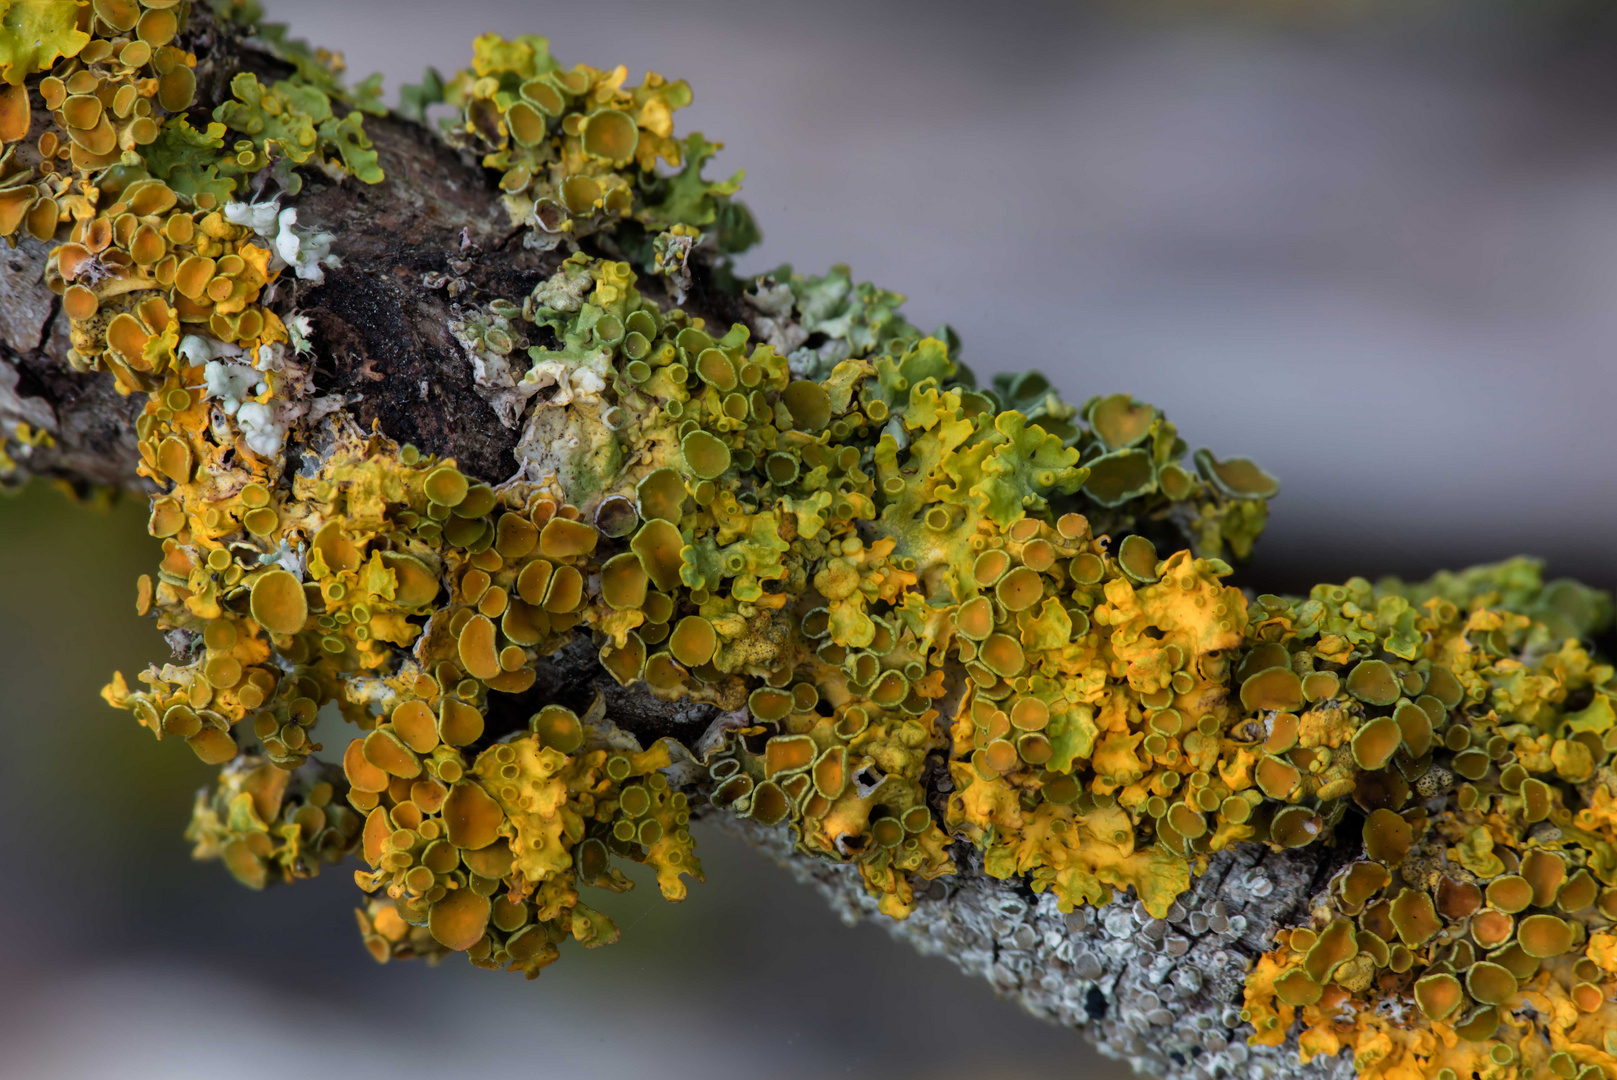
[
  {"x": 1165, "y": 995},
  {"x": 1162, "y": 994}
]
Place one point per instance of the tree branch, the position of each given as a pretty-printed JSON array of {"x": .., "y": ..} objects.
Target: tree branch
[{"x": 435, "y": 247}]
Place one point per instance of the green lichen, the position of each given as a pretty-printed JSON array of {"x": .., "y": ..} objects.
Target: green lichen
[
  {"x": 34, "y": 33},
  {"x": 190, "y": 162},
  {"x": 293, "y": 119}
]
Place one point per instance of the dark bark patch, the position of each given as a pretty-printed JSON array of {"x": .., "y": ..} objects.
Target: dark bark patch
[
  {"x": 390, "y": 345},
  {"x": 721, "y": 308}
]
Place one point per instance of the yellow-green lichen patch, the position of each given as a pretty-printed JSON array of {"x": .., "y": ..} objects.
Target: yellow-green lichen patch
[
  {"x": 868, "y": 563},
  {"x": 1468, "y": 895},
  {"x": 577, "y": 149}
]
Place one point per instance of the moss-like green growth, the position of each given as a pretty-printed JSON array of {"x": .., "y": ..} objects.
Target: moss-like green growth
[{"x": 815, "y": 521}]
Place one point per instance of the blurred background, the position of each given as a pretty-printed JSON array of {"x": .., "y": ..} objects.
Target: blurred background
[{"x": 1371, "y": 245}]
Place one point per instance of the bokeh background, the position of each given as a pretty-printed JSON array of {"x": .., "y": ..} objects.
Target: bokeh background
[{"x": 1371, "y": 245}]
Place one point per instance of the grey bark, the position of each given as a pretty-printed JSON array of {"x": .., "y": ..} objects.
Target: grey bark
[{"x": 1163, "y": 995}]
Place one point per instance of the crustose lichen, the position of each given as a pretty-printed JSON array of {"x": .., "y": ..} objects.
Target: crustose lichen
[{"x": 926, "y": 612}]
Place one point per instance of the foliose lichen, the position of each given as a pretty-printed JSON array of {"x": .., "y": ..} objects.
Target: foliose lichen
[
  {"x": 577, "y": 150},
  {"x": 927, "y": 613}
]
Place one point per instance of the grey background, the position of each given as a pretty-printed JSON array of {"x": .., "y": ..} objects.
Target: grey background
[{"x": 1371, "y": 246}]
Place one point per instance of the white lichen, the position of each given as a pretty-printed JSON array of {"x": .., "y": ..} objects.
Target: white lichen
[
  {"x": 301, "y": 333},
  {"x": 307, "y": 254},
  {"x": 260, "y": 217},
  {"x": 293, "y": 380},
  {"x": 200, "y": 348},
  {"x": 231, "y": 384},
  {"x": 292, "y": 559},
  {"x": 263, "y": 429},
  {"x": 570, "y": 382}
]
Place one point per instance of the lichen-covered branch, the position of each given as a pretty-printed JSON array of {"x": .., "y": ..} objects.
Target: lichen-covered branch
[
  {"x": 459, "y": 420},
  {"x": 1163, "y": 994}
]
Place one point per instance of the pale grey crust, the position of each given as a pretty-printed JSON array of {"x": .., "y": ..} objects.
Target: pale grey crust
[{"x": 1162, "y": 995}]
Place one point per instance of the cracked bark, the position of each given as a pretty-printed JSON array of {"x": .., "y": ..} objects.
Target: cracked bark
[{"x": 1163, "y": 994}]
